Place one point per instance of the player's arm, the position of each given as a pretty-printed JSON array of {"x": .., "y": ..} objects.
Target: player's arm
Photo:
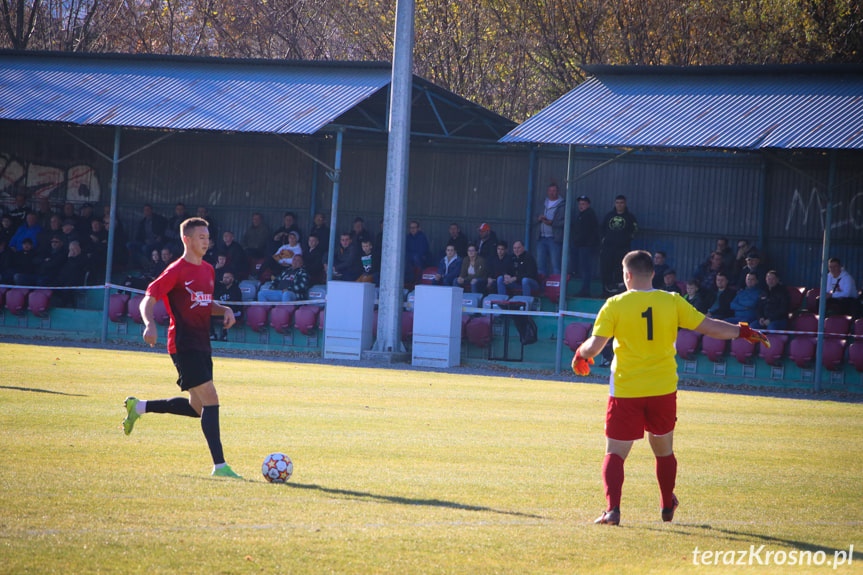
[
  {"x": 146, "y": 307},
  {"x": 223, "y": 310},
  {"x": 583, "y": 358},
  {"x": 723, "y": 330}
]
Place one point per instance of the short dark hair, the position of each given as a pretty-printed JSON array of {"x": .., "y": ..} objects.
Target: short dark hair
[
  {"x": 188, "y": 226},
  {"x": 639, "y": 263},
  {"x": 661, "y": 252},
  {"x": 503, "y": 244},
  {"x": 620, "y": 197},
  {"x": 831, "y": 260}
]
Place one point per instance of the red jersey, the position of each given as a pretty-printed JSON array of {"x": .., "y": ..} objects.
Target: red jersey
[{"x": 188, "y": 293}]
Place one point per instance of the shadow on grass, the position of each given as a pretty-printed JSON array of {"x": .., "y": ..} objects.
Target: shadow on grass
[
  {"x": 755, "y": 538},
  {"x": 34, "y": 390},
  {"x": 409, "y": 500}
]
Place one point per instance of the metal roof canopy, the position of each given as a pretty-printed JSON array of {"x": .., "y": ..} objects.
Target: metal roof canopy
[{"x": 812, "y": 108}]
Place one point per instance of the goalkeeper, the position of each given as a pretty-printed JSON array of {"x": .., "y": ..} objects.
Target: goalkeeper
[{"x": 643, "y": 394}]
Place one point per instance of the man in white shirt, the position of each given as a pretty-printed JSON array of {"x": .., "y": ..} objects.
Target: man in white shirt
[{"x": 841, "y": 290}]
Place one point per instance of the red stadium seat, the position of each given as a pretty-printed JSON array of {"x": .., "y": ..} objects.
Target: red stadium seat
[
  {"x": 833, "y": 354},
  {"x": 117, "y": 305},
  {"x": 428, "y": 275},
  {"x": 281, "y": 318},
  {"x": 812, "y": 300},
  {"x": 407, "y": 326},
  {"x": 855, "y": 355},
  {"x": 858, "y": 327},
  {"x": 479, "y": 331},
  {"x": 465, "y": 319},
  {"x": 713, "y": 348},
  {"x": 801, "y": 351},
  {"x": 773, "y": 355},
  {"x": 552, "y": 287},
  {"x": 134, "y": 308},
  {"x": 16, "y": 300},
  {"x": 3, "y": 291},
  {"x": 575, "y": 334},
  {"x": 806, "y": 322},
  {"x": 256, "y": 317},
  {"x": 687, "y": 343},
  {"x": 38, "y": 302},
  {"x": 796, "y": 295},
  {"x": 742, "y": 350},
  {"x": 160, "y": 313},
  {"x": 837, "y": 326},
  {"x": 306, "y": 318}
]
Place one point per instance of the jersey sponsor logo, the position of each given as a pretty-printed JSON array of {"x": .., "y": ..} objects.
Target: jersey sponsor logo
[{"x": 199, "y": 297}]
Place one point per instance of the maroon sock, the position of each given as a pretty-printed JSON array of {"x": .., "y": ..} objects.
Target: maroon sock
[
  {"x": 666, "y": 474},
  {"x": 612, "y": 479}
]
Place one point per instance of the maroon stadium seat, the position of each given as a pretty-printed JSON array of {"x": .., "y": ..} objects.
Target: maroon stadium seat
[
  {"x": 465, "y": 319},
  {"x": 687, "y": 343},
  {"x": 38, "y": 302},
  {"x": 3, "y": 291},
  {"x": 855, "y": 355},
  {"x": 16, "y": 300},
  {"x": 428, "y": 275},
  {"x": 812, "y": 300},
  {"x": 281, "y": 317},
  {"x": 306, "y": 318},
  {"x": 117, "y": 305},
  {"x": 407, "y": 325},
  {"x": 806, "y": 322},
  {"x": 773, "y": 355},
  {"x": 796, "y": 295},
  {"x": 134, "y": 308},
  {"x": 256, "y": 317},
  {"x": 713, "y": 348},
  {"x": 801, "y": 350},
  {"x": 575, "y": 334},
  {"x": 479, "y": 331},
  {"x": 160, "y": 313},
  {"x": 742, "y": 350},
  {"x": 837, "y": 324},
  {"x": 858, "y": 328},
  {"x": 552, "y": 288},
  {"x": 833, "y": 354}
]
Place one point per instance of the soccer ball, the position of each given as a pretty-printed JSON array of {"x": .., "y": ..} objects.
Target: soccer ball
[{"x": 277, "y": 468}]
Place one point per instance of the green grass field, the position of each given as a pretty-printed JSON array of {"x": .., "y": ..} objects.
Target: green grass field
[{"x": 404, "y": 472}]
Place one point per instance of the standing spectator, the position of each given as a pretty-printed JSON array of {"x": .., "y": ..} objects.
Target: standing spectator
[
  {"x": 669, "y": 282},
  {"x": 416, "y": 248},
  {"x": 290, "y": 285},
  {"x": 458, "y": 240},
  {"x": 72, "y": 273},
  {"x": 487, "y": 242},
  {"x": 6, "y": 229},
  {"x": 371, "y": 265},
  {"x": 18, "y": 212},
  {"x": 29, "y": 229},
  {"x": 322, "y": 230},
  {"x": 82, "y": 226},
  {"x": 346, "y": 260},
  {"x": 315, "y": 257},
  {"x": 841, "y": 290},
  {"x": 550, "y": 244},
  {"x": 257, "y": 237},
  {"x": 119, "y": 257},
  {"x": 474, "y": 275},
  {"x": 617, "y": 230},
  {"x": 659, "y": 268},
  {"x": 774, "y": 305},
  {"x": 500, "y": 265},
  {"x": 745, "y": 303},
  {"x": 359, "y": 233},
  {"x": 226, "y": 290},
  {"x": 743, "y": 248},
  {"x": 289, "y": 224},
  {"x": 705, "y": 275},
  {"x": 43, "y": 240},
  {"x": 722, "y": 298},
  {"x": 724, "y": 250},
  {"x": 212, "y": 255},
  {"x": 150, "y": 234},
  {"x": 236, "y": 255},
  {"x": 96, "y": 251},
  {"x": 585, "y": 239},
  {"x": 172, "y": 229},
  {"x": 448, "y": 268},
  {"x": 753, "y": 266},
  {"x": 204, "y": 213},
  {"x": 525, "y": 274},
  {"x": 44, "y": 212}
]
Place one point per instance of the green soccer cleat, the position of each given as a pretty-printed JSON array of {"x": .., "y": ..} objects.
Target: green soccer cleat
[
  {"x": 225, "y": 471},
  {"x": 131, "y": 415}
]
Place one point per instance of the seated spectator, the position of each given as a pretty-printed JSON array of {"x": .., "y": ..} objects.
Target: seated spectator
[
  {"x": 43, "y": 239},
  {"x": 416, "y": 251},
  {"x": 458, "y": 240},
  {"x": 222, "y": 267},
  {"x": 695, "y": 297},
  {"x": 172, "y": 229},
  {"x": 167, "y": 256},
  {"x": 346, "y": 260},
  {"x": 119, "y": 257},
  {"x": 474, "y": 275},
  {"x": 841, "y": 290},
  {"x": 69, "y": 231},
  {"x": 745, "y": 303},
  {"x": 448, "y": 268},
  {"x": 72, "y": 273},
  {"x": 83, "y": 227},
  {"x": 292, "y": 284},
  {"x": 289, "y": 224},
  {"x": 705, "y": 275},
  {"x": 256, "y": 240},
  {"x": 315, "y": 256},
  {"x": 371, "y": 265},
  {"x": 96, "y": 250},
  {"x": 6, "y": 229},
  {"x": 501, "y": 264},
  {"x": 322, "y": 230},
  {"x": 236, "y": 255},
  {"x": 149, "y": 235},
  {"x": 525, "y": 272},
  {"x": 152, "y": 269},
  {"x": 69, "y": 214},
  {"x": 29, "y": 229},
  {"x": 44, "y": 212},
  {"x": 47, "y": 267},
  {"x": 212, "y": 255},
  {"x": 669, "y": 282},
  {"x": 359, "y": 233},
  {"x": 722, "y": 298},
  {"x": 753, "y": 266},
  {"x": 774, "y": 305},
  {"x": 659, "y": 269},
  {"x": 18, "y": 212},
  {"x": 486, "y": 244},
  {"x": 226, "y": 289},
  {"x": 23, "y": 262}
]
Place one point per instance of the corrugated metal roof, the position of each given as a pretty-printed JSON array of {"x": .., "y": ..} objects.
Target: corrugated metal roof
[
  {"x": 183, "y": 93},
  {"x": 789, "y": 107}
]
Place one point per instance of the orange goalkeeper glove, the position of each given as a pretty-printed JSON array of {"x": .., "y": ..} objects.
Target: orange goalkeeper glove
[
  {"x": 580, "y": 365},
  {"x": 752, "y": 335}
]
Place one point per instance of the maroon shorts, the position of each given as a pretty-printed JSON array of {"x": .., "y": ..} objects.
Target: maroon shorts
[{"x": 627, "y": 418}]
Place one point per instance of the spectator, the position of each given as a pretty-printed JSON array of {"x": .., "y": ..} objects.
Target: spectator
[
  {"x": 841, "y": 290},
  {"x": 753, "y": 266},
  {"x": 204, "y": 213},
  {"x": 18, "y": 212},
  {"x": 322, "y": 230},
  {"x": 585, "y": 239},
  {"x": 82, "y": 225},
  {"x": 172, "y": 229},
  {"x": 257, "y": 237},
  {"x": 289, "y": 224},
  {"x": 70, "y": 215},
  {"x": 694, "y": 296},
  {"x": 43, "y": 239},
  {"x": 221, "y": 266},
  {"x": 458, "y": 240},
  {"x": 212, "y": 255},
  {"x": 285, "y": 254},
  {"x": 96, "y": 251},
  {"x": 706, "y": 272},
  {"x": 6, "y": 255},
  {"x": 44, "y": 212},
  {"x": 6, "y": 229},
  {"x": 774, "y": 305},
  {"x": 47, "y": 267},
  {"x": 416, "y": 249},
  {"x": 501, "y": 264},
  {"x": 371, "y": 272},
  {"x": 359, "y": 233},
  {"x": 487, "y": 242},
  {"x": 72, "y": 273},
  {"x": 151, "y": 269},
  {"x": 550, "y": 244},
  {"x": 745, "y": 303},
  {"x": 722, "y": 298},
  {"x": 314, "y": 257},
  {"x": 149, "y": 235},
  {"x": 29, "y": 229},
  {"x": 167, "y": 256},
  {"x": 724, "y": 250},
  {"x": 23, "y": 262},
  {"x": 448, "y": 268},
  {"x": 617, "y": 230},
  {"x": 120, "y": 252},
  {"x": 226, "y": 289},
  {"x": 236, "y": 255},
  {"x": 743, "y": 248},
  {"x": 69, "y": 231},
  {"x": 474, "y": 275},
  {"x": 290, "y": 285},
  {"x": 669, "y": 282},
  {"x": 525, "y": 274},
  {"x": 346, "y": 260},
  {"x": 659, "y": 269}
]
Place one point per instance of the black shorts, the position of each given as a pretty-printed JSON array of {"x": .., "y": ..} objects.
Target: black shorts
[{"x": 193, "y": 367}]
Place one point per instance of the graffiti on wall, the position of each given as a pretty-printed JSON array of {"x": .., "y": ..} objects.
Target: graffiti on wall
[
  {"x": 76, "y": 184},
  {"x": 844, "y": 214}
]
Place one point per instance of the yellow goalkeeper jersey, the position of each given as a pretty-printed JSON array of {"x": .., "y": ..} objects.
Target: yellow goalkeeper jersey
[{"x": 644, "y": 327}]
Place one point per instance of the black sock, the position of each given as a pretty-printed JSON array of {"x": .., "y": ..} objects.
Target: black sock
[
  {"x": 175, "y": 405},
  {"x": 210, "y": 427}
]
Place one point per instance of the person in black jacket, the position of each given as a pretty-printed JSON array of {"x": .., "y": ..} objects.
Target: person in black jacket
[
  {"x": 617, "y": 230},
  {"x": 347, "y": 265},
  {"x": 584, "y": 239},
  {"x": 525, "y": 274},
  {"x": 774, "y": 305},
  {"x": 722, "y": 298}
]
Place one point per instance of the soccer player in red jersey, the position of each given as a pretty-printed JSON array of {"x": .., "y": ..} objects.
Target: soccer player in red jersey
[
  {"x": 643, "y": 384},
  {"x": 186, "y": 286}
]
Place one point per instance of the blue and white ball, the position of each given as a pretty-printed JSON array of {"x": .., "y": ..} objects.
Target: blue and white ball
[{"x": 277, "y": 468}]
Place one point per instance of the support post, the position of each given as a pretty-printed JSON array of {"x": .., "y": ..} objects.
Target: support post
[
  {"x": 564, "y": 264},
  {"x": 825, "y": 256},
  {"x": 336, "y": 177},
  {"x": 112, "y": 234}
]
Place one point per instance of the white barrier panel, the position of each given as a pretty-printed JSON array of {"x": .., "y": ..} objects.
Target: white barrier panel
[
  {"x": 350, "y": 313},
  {"x": 437, "y": 326}
]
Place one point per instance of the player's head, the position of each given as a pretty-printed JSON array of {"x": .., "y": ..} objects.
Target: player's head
[
  {"x": 196, "y": 236},
  {"x": 638, "y": 270}
]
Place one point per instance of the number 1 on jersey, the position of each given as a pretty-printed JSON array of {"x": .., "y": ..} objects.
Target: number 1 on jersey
[{"x": 648, "y": 315}]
